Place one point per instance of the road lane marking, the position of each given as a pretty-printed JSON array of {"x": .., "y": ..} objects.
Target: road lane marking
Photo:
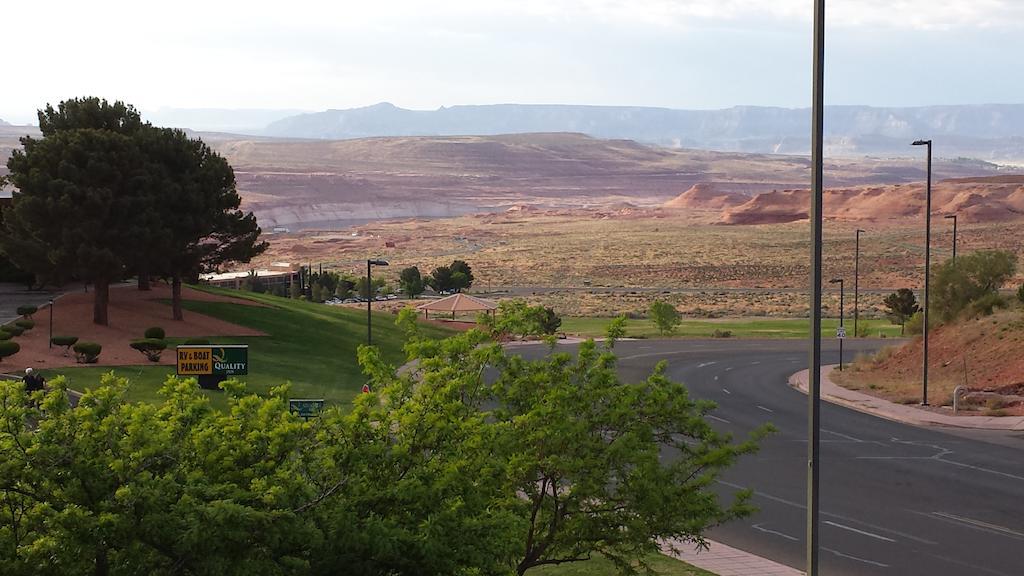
[
  {"x": 986, "y": 526},
  {"x": 728, "y": 368},
  {"x": 703, "y": 364},
  {"x": 755, "y": 362},
  {"x": 862, "y": 532},
  {"x": 939, "y": 457},
  {"x": 761, "y": 528},
  {"x": 716, "y": 377},
  {"x": 831, "y": 515},
  {"x": 765, "y": 409},
  {"x": 726, "y": 391},
  {"x": 850, "y": 557},
  {"x": 850, "y": 438},
  {"x": 713, "y": 417}
]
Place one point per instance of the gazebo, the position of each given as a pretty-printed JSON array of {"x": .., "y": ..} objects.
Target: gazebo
[{"x": 457, "y": 303}]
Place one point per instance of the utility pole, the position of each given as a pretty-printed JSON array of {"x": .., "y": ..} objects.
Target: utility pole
[
  {"x": 856, "y": 286},
  {"x": 927, "y": 265},
  {"x": 814, "y": 368}
]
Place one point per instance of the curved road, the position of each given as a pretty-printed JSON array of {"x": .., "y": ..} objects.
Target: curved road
[{"x": 895, "y": 499}]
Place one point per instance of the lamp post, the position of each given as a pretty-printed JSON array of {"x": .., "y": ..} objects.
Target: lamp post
[
  {"x": 927, "y": 265},
  {"x": 856, "y": 285},
  {"x": 840, "y": 334},
  {"x": 814, "y": 364},
  {"x": 51, "y": 323},
  {"x": 953, "y": 216},
  {"x": 369, "y": 297}
]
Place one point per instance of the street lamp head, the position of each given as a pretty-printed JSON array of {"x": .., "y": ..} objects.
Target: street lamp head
[
  {"x": 859, "y": 231},
  {"x": 835, "y": 281},
  {"x": 948, "y": 216},
  {"x": 921, "y": 142},
  {"x": 377, "y": 262}
]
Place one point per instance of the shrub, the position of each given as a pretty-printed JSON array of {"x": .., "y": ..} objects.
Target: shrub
[
  {"x": 5, "y": 335},
  {"x": 27, "y": 311},
  {"x": 665, "y": 317},
  {"x": 87, "y": 352},
  {"x": 155, "y": 333},
  {"x": 1020, "y": 293},
  {"x": 197, "y": 341},
  {"x": 151, "y": 348},
  {"x": 985, "y": 305},
  {"x": 13, "y": 329},
  {"x": 721, "y": 333},
  {"x": 66, "y": 341},
  {"x": 25, "y": 323},
  {"x": 8, "y": 348},
  {"x": 915, "y": 325}
]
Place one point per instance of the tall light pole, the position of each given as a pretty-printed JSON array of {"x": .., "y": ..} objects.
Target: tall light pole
[
  {"x": 856, "y": 286},
  {"x": 953, "y": 216},
  {"x": 840, "y": 333},
  {"x": 927, "y": 264},
  {"x": 814, "y": 368},
  {"x": 369, "y": 297}
]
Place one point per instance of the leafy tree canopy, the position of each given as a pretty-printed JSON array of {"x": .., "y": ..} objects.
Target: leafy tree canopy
[
  {"x": 665, "y": 317},
  {"x": 956, "y": 284}
]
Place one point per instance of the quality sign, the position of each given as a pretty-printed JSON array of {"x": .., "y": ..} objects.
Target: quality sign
[{"x": 202, "y": 360}]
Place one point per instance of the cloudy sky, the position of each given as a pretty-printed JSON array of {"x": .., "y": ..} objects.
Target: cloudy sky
[{"x": 423, "y": 54}]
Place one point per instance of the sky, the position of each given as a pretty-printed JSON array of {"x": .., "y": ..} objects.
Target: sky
[{"x": 694, "y": 54}]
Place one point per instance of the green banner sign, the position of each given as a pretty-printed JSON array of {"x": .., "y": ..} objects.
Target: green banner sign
[
  {"x": 206, "y": 360},
  {"x": 306, "y": 407}
]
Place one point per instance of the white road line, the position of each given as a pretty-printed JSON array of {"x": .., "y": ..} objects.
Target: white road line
[
  {"x": 713, "y": 417},
  {"x": 841, "y": 555},
  {"x": 716, "y": 377},
  {"x": 726, "y": 391},
  {"x": 729, "y": 368},
  {"x": 980, "y": 524},
  {"x": 765, "y": 409},
  {"x": 703, "y": 364},
  {"x": 850, "y": 438},
  {"x": 801, "y": 506},
  {"x": 761, "y": 528},
  {"x": 844, "y": 527},
  {"x": 755, "y": 362}
]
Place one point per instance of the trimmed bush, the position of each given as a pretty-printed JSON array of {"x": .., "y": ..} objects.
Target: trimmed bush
[
  {"x": 197, "y": 341},
  {"x": 151, "y": 348},
  {"x": 87, "y": 352},
  {"x": 5, "y": 335},
  {"x": 721, "y": 333},
  {"x": 27, "y": 311},
  {"x": 12, "y": 329},
  {"x": 155, "y": 333},
  {"x": 66, "y": 341},
  {"x": 25, "y": 323},
  {"x": 8, "y": 348}
]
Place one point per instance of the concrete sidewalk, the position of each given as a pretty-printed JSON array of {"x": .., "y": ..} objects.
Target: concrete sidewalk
[
  {"x": 727, "y": 561},
  {"x": 908, "y": 414}
]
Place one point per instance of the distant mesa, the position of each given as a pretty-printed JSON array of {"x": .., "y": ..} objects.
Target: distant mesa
[{"x": 705, "y": 196}]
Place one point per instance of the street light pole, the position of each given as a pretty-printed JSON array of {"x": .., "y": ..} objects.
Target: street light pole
[
  {"x": 814, "y": 368},
  {"x": 953, "y": 216},
  {"x": 927, "y": 265},
  {"x": 856, "y": 286},
  {"x": 841, "y": 306},
  {"x": 369, "y": 298}
]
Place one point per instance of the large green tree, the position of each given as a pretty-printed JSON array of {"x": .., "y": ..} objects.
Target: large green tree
[
  {"x": 411, "y": 282},
  {"x": 665, "y": 317},
  {"x": 900, "y": 306},
  {"x": 956, "y": 284}
]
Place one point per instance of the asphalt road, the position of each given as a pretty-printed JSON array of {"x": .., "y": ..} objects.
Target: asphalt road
[{"x": 895, "y": 499}]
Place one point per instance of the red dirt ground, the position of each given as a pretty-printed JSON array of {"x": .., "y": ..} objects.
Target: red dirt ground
[{"x": 131, "y": 312}]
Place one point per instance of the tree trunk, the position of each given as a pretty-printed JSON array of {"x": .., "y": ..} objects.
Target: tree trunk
[
  {"x": 144, "y": 279},
  {"x": 102, "y": 563},
  {"x": 101, "y": 298},
  {"x": 176, "y": 297}
]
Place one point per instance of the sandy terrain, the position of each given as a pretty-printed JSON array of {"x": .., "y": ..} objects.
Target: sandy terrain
[{"x": 131, "y": 312}]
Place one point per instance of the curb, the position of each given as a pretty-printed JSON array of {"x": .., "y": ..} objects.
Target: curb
[
  {"x": 835, "y": 394},
  {"x": 725, "y": 560}
]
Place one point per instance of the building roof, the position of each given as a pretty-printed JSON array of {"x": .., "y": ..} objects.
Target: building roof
[{"x": 458, "y": 303}]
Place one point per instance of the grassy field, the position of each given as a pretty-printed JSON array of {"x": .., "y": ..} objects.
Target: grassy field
[
  {"x": 743, "y": 328},
  {"x": 662, "y": 565},
  {"x": 311, "y": 345}
]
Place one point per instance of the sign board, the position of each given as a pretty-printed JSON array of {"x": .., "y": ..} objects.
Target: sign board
[
  {"x": 206, "y": 360},
  {"x": 841, "y": 332},
  {"x": 306, "y": 407}
]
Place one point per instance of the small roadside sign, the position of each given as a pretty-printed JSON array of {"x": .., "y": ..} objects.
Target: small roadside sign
[
  {"x": 306, "y": 407},
  {"x": 841, "y": 332},
  {"x": 204, "y": 360}
]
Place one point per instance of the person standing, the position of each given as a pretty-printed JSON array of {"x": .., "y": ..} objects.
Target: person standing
[{"x": 33, "y": 380}]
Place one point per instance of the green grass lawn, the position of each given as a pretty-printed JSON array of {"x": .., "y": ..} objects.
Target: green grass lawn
[
  {"x": 311, "y": 345},
  {"x": 740, "y": 328},
  {"x": 661, "y": 564}
]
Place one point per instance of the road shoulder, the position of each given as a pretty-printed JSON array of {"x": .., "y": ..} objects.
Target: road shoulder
[{"x": 832, "y": 392}]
